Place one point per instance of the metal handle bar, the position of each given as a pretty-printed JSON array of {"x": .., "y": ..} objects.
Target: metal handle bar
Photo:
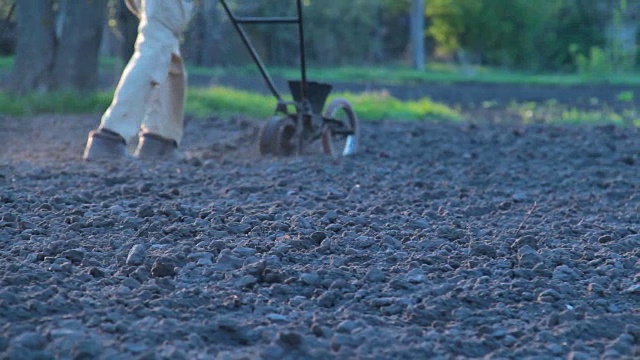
[
  {"x": 265, "y": 20},
  {"x": 237, "y": 21}
]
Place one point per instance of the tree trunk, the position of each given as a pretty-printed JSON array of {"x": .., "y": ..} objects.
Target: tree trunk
[
  {"x": 35, "y": 49},
  {"x": 211, "y": 46},
  {"x": 128, "y": 25},
  {"x": 417, "y": 33},
  {"x": 79, "y": 33},
  {"x": 203, "y": 40}
]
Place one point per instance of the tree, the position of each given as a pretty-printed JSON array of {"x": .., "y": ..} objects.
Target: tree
[
  {"x": 79, "y": 27},
  {"x": 57, "y": 45},
  {"x": 127, "y": 24},
  {"x": 7, "y": 28},
  {"x": 417, "y": 33},
  {"x": 35, "y": 49}
]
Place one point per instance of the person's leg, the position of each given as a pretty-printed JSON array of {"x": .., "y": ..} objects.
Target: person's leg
[
  {"x": 165, "y": 116},
  {"x": 124, "y": 116},
  {"x": 162, "y": 127},
  {"x": 152, "y": 84},
  {"x": 135, "y": 89},
  {"x": 163, "y": 124}
]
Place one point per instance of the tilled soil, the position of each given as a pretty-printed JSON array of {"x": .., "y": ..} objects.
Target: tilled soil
[{"x": 436, "y": 241}]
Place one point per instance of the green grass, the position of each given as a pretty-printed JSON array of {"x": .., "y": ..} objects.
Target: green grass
[
  {"x": 381, "y": 105},
  {"x": 6, "y": 63},
  {"x": 53, "y": 103},
  {"x": 442, "y": 73},
  {"x": 225, "y": 102},
  {"x": 369, "y": 106},
  {"x": 222, "y": 101},
  {"x": 550, "y": 112},
  {"x": 397, "y": 75}
]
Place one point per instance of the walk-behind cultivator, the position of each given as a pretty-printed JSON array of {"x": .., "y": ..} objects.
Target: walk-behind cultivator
[{"x": 304, "y": 120}]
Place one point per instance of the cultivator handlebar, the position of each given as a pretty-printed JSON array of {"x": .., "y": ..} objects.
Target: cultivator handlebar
[{"x": 298, "y": 20}]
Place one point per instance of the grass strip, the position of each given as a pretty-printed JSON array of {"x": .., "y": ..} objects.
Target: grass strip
[
  {"x": 226, "y": 102},
  {"x": 223, "y": 101}
]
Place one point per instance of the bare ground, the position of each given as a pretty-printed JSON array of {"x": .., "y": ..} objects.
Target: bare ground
[{"x": 437, "y": 240}]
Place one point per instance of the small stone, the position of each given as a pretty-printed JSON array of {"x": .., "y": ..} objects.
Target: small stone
[
  {"x": 605, "y": 239},
  {"x": 509, "y": 340},
  {"x": 311, "y": 279},
  {"x": 328, "y": 299},
  {"x": 239, "y": 228},
  {"x": 74, "y": 255},
  {"x": 30, "y": 340},
  {"x": 96, "y": 272},
  {"x": 145, "y": 211},
  {"x": 277, "y": 317},
  {"x": 201, "y": 258},
  {"x": 141, "y": 274},
  {"x": 419, "y": 224},
  {"x": 346, "y": 326},
  {"x": 135, "y": 348},
  {"x": 318, "y": 330},
  {"x": 136, "y": 255},
  {"x": 633, "y": 289},
  {"x": 330, "y": 217},
  {"x": 205, "y": 261},
  {"x": 375, "y": 275},
  {"x": 131, "y": 283},
  {"x": 416, "y": 276},
  {"x": 526, "y": 240},
  {"x": 519, "y": 197},
  {"x": 297, "y": 300},
  {"x": 9, "y": 297},
  {"x": 244, "y": 251},
  {"x": 578, "y": 355},
  {"x": 596, "y": 289},
  {"x": 344, "y": 340},
  {"x": 271, "y": 352},
  {"x": 363, "y": 242},
  {"x": 480, "y": 249},
  {"x": 246, "y": 281},
  {"x": 505, "y": 205},
  {"x": 629, "y": 160},
  {"x": 564, "y": 273},
  {"x": 290, "y": 339},
  {"x": 318, "y": 236},
  {"x": 163, "y": 267},
  {"x": 549, "y": 295},
  {"x": 227, "y": 261},
  {"x": 87, "y": 349}
]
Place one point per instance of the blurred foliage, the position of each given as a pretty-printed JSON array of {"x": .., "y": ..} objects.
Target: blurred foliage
[
  {"x": 352, "y": 32},
  {"x": 596, "y": 37},
  {"x": 7, "y": 27},
  {"x": 551, "y": 112},
  {"x": 583, "y": 35}
]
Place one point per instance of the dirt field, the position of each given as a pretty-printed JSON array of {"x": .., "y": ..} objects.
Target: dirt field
[{"x": 436, "y": 241}]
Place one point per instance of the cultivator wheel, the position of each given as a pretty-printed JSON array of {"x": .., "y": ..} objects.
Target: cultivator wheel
[
  {"x": 278, "y": 137},
  {"x": 340, "y": 136}
]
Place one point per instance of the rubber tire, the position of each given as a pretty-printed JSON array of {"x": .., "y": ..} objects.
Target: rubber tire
[
  {"x": 276, "y": 137},
  {"x": 351, "y": 143}
]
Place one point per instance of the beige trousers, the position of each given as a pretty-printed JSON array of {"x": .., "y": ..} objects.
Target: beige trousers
[{"x": 150, "y": 95}]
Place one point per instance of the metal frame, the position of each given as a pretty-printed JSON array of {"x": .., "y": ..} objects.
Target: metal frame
[
  {"x": 288, "y": 132},
  {"x": 239, "y": 21}
]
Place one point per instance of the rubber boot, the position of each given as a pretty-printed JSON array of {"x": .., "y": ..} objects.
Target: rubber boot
[
  {"x": 104, "y": 144},
  {"x": 156, "y": 147}
]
